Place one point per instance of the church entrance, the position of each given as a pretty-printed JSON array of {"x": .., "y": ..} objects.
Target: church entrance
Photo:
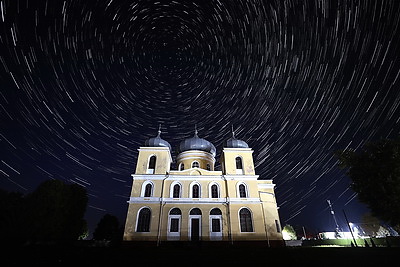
[
  {"x": 195, "y": 224},
  {"x": 195, "y": 230}
]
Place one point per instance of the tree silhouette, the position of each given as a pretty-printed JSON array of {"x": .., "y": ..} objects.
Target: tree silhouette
[
  {"x": 375, "y": 175},
  {"x": 56, "y": 211},
  {"x": 107, "y": 228}
]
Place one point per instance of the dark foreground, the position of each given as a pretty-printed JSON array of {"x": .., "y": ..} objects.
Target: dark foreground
[{"x": 57, "y": 255}]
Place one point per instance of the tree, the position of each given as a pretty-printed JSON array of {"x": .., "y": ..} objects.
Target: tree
[
  {"x": 11, "y": 216},
  {"x": 375, "y": 175},
  {"x": 56, "y": 211},
  {"x": 289, "y": 233},
  {"x": 370, "y": 224},
  {"x": 107, "y": 228}
]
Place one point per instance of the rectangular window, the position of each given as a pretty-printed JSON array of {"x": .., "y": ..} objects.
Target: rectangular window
[
  {"x": 215, "y": 225},
  {"x": 174, "y": 225},
  {"x": 278, "y": 227}
]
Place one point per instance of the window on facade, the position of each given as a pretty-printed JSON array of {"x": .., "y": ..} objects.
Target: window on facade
[
  {"x": 176, "y": 191},
  {"x": 174, "y": 227},
  {"x": 208, "y": 167},
  {"x": 195, "y": 191},
  {"x": 175, "y": 211},
  {"x": 152, "y": 165},
  {"x": 147, "y": 190},
  {"x": 174, "y": 220},
  {"x": 182, "y": 167},
  {"x": 242, "y": 191},
  {"x": 278, "y": 227},
  {"x": 143, "y": 223},
  {"x": 195, "y": 164},
  {"x": 246, "y": 224},
  {"x": 215, "y": 225},
  {"x": 239, "y": 164},
  {"x": 195, "y": 211},
  {"x": 214, "y": 191},
  {"x": 215, "y": 211}
]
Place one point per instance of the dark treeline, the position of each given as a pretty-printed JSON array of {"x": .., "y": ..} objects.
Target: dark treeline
[{"x": 53, "y": 212}]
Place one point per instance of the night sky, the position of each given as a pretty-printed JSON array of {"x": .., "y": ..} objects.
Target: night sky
[{"x": 84, "y": 83}]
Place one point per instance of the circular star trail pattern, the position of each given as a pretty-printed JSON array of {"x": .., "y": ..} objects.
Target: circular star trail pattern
[{"x": 85, "y": 83}]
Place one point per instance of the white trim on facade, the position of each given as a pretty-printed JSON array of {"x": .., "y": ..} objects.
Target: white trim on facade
[
  {"x": 266, "y": 186},
  {"x": 246, "y": 189},
  {"x": 133, "y": 200},
  {"x": 252, "y": 220},
  {"x": 143, "y": 190},
  {"x": 191, "y": 189},
  {"x": 147, "y": 176},
  {"x": 171, "y": 189},
  {"x": 137, "y": 219},
  {"x": 241, "y": 177},
  {"x": 218, "y": 189}
]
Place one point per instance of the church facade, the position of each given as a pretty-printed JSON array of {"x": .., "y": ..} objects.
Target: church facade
[{"x": 196, "y": 202}]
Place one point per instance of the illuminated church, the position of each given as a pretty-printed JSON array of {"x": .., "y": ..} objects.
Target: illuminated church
[{"x": 196, "y": 202}]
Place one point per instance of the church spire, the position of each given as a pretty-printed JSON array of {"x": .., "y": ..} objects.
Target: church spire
[{"x": 159, "y": 130}]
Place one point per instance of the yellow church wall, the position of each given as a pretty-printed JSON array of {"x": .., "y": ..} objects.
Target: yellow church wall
[
  {"x": 186, "y": 187},
  {"x": 271, "y": 214},
  {"x": 250, "y": 183},
  {"x": 260, "y": 197},
  {"x": 163, "y": 160},
  {"x": 130, "y": 233},
  {"x": 184, "y": 222},
  {"x": 229, "y": 160},
  {"x": 139, "y": 181},
  {"x": 188, "y": 157},
  {"x": 257, "y": 220}
]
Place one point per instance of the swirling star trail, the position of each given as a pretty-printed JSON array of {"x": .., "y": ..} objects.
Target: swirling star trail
[{"x": 85, "y": 83}]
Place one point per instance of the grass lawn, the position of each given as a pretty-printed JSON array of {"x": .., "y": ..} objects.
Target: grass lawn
[{"x": 199, "y": 256}]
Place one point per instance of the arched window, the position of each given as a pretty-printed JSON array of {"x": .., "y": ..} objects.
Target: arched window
[
  {"x": 174, "y": 222},
  {"x": 176, "y": 191},
  {"x": 181, "y": 167},
  {"x": 246, "y": 222},
  {"x": 215, "y": 211},
  {"x": 214, "y": 191},
  {"x": 208, "y": 167},
  {"x": 195, "y": 164},
  {"x": 215, "y": 224},
  {"x": 195, "y": 211},
  {"x": 175, "y": 211},
  {"x": 152, "y": 165},
  {"x": 195, "y": 191},
  {"x": 239, "y": 165},
  {"x": 242, "y": 191},
  {"x": 143, "y": 222},
  {"x": 148, "y": 190}
]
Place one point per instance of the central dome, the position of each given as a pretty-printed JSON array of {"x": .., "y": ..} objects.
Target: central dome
[{"x": 197, "y": 143}]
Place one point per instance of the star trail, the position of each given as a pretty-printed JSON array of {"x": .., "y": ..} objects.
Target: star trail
[{"x": 83, "y": 84}]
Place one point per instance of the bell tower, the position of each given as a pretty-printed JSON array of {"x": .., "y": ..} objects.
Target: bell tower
[
  {"x": 237, "y": 157},
  {"x": 154, "y": 157}
]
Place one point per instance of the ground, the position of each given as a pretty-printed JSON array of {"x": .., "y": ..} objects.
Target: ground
[{"x": 198, "y": 256}]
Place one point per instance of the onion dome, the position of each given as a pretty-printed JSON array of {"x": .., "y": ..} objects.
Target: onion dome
[
  {"x": 157, "y": 142},
  {"x": 235, "y": 143},
  {"x": 197, "y": 143}
]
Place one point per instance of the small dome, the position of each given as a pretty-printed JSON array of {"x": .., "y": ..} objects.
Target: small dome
[
  {"x": 157, "y": 142},
  {"x": 235, "y": 143},
  {"x": 197, "y": 143}
]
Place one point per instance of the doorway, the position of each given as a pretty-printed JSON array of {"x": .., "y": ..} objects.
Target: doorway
[{"x": 195, "y": 224}]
